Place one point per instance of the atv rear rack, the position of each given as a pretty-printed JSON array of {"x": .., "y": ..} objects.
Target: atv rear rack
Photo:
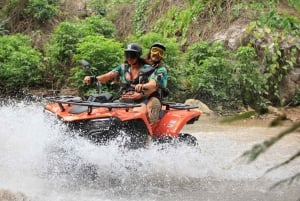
[{"x": 178, "y": 106}]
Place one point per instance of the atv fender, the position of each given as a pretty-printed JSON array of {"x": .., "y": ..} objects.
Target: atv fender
[{"x": 173, "y": 121}]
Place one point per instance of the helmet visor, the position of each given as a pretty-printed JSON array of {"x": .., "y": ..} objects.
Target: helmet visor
[
  {"x": 157, "y": 51},
  {"x": 131, "y": 54}
]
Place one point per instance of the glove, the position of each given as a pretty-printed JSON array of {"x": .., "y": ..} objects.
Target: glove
[
  {"x": 165, "y": 92},
  {"x": 93, "y": 79}
]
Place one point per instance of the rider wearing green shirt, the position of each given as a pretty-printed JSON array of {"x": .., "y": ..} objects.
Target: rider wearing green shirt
[
  {"x": 128, "y": 74},
  {"x": 158, "y": 79}
]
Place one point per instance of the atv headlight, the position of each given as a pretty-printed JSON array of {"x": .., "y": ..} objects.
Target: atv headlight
[{"x": 101, "y": 124}]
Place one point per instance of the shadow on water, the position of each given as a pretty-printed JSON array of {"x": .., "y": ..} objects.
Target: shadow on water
[{"x": 38, "y": 158}]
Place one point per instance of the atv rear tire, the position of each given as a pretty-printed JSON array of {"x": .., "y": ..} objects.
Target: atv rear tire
[{"x": 188, "y": 139}]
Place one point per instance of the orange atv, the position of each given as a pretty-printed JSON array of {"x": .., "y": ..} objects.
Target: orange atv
[{"x": 100, "y": 119}]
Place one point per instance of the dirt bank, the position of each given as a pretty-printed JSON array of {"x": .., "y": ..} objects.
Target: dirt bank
[
  {"x": 289, "y": 114},
  {"x": 275, "y": 117}
]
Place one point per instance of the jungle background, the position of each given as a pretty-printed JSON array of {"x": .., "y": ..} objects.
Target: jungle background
[{"x": 230, "y": 54}]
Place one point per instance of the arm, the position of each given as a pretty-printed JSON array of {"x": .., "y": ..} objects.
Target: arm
[
  {"x": 150, "y": 87},
  {"x": 156, "y": 80},
  {"x": 107, "y": 76},
  {"x": 104, "y": 77}
]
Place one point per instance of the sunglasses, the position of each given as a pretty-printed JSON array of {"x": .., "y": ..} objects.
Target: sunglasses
[
  {"x": 132, "y": 55},
  {"x": 157, "y": 51}
]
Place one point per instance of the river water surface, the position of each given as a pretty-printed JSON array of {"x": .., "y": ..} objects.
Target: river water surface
[{"x": 38, "y": 159}]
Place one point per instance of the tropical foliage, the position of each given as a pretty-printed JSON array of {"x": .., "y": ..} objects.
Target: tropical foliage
[
  {"x": 206, "y": 70},
  {"x": 64, "y": 41},
  {"x": 102, "y": 53},
  {"x": 20, "y": 64}
]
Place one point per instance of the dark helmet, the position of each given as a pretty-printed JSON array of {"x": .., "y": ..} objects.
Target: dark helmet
[
  {"x": 133, "y": 47},
  {"x": 160, "y": 45}
]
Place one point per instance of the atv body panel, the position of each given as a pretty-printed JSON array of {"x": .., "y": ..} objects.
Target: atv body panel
[
  {"x": 101, "y": 122},
  {"x": 173, "y": 121}
]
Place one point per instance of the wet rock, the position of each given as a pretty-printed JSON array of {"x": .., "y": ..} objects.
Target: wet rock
[
  {"x": 234, "y": 35},
  {"x": 76, "y": 7},
  {"x": 203, "y": 107},
  {"x": 7, "y": 195},
  {"x": 274, "y": 110}
]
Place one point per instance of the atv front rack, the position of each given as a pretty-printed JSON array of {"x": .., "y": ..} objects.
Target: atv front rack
[
  {"x": 73, "y": 100},
  {"x": 70, "y": 100}
]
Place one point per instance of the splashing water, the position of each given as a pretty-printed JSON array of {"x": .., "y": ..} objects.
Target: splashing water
[{"x": 39, "y": 158}]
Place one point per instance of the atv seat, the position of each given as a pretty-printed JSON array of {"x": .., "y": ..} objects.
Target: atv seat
[
  {"x": 77, "y": 109},
  {"x": 99, "y": 98}
]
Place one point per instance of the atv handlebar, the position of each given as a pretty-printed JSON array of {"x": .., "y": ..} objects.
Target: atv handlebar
[
  {"x": 93, "y": 78},
  {"x": 87, "y": 66}
]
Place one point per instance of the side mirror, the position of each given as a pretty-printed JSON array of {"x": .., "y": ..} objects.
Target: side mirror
[{"x": 85, "y": 64}]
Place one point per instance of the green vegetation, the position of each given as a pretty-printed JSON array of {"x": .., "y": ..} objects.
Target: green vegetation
[
  {"x": 208, "y": 72},
  {"x": 177, "y": 21},
  {"x": 41, "y": 10},
  {"x": 22, "y": 15},
  {"x": 63, "y": 44},
  {"x": 295, "y": 4},
  {"x": 251, "y": 74},
  {"x": 278, "y": 29},
  {"x": 20, "y": 64},
  {"x": 98, "y": 6},
  {"x": 103, "y": 54},
  {"x": 140, "y": 17},
  {"x": 296, "y": 99},
  {"x": 3, "y": 30},
  {"x": 248, "y": 75}
]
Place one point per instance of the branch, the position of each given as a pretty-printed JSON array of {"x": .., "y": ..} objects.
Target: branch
[
  {"x": 288, "y": 180},
  {"x": 285, "y": 162},
  {"x": 261, "y": 148}
]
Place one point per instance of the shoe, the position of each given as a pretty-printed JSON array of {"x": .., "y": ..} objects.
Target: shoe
[{"x": 155, "y": 109}]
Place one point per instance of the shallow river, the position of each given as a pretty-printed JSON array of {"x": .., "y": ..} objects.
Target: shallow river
[{"x": 38, "y": 159}]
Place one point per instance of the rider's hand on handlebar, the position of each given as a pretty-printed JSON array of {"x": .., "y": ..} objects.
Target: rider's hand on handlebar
[
  {"x": 90, "y": 79},
  {"x": 87, "y": 80},
  {"x": 132, "y": 95},
  {"x": 139, "y": 87}
]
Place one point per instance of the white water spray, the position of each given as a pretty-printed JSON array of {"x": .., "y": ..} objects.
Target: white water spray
[{"x": 38, "y": 158}]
